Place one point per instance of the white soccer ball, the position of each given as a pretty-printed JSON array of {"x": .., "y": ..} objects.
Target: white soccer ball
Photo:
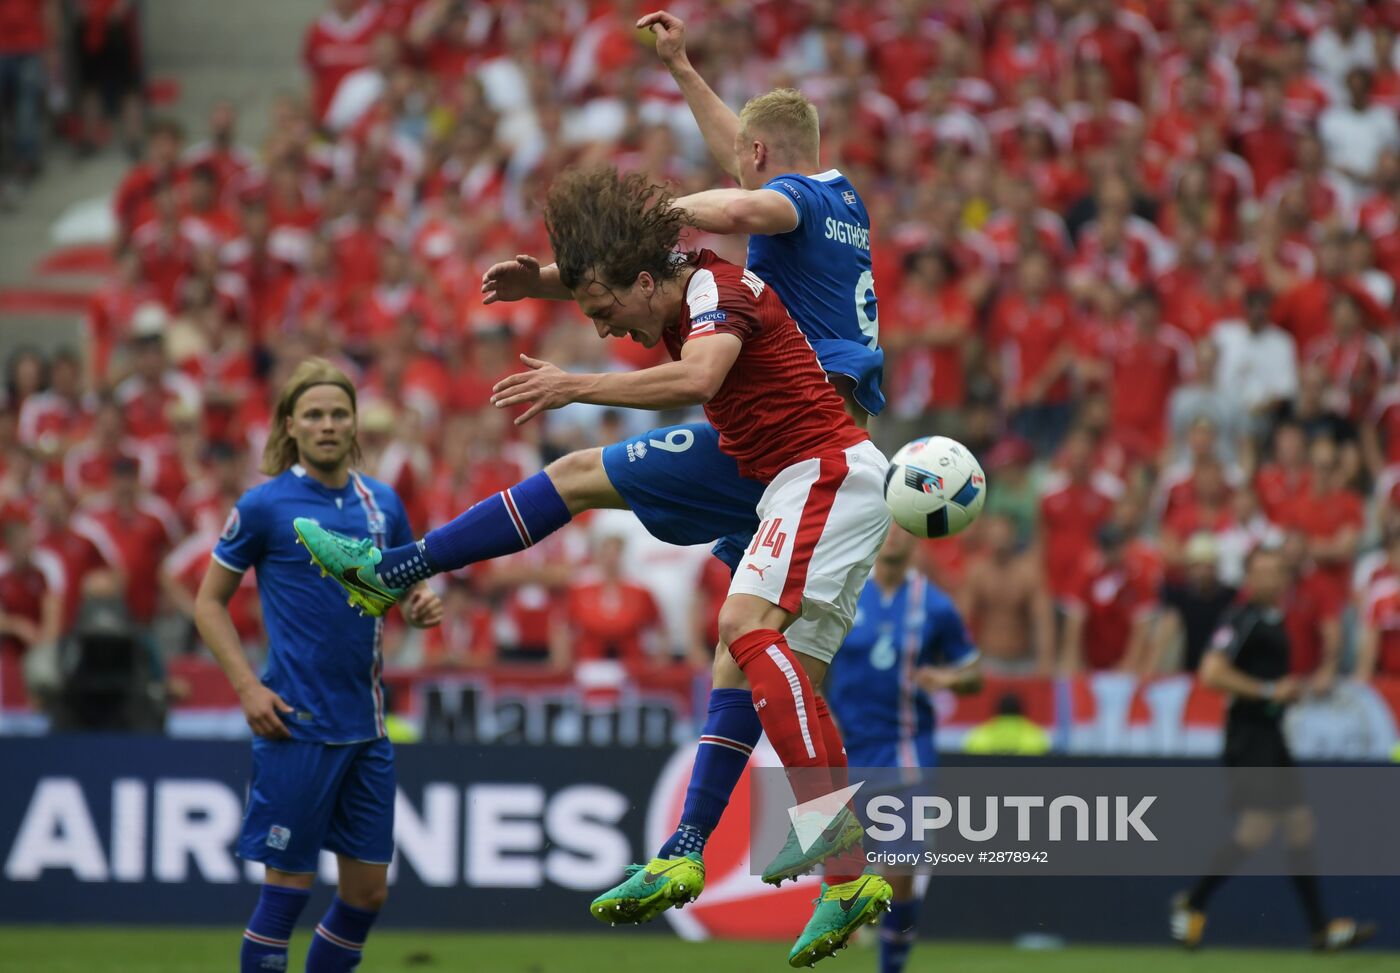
[{"x": 935, "y": 487}]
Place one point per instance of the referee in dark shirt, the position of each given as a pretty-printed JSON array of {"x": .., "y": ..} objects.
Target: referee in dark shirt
[{"x": 1248, "y": 658}]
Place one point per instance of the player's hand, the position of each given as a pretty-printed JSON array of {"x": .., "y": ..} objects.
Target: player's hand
[
  {"x": 261, "y": 708},
  {"x": 545, "y": 386},
  {"x": 511, "y": 280},
  {"x": 1287, "y": 690},
  {"x": 422, "y": 608},
  {"x": 670, "y": 35}
]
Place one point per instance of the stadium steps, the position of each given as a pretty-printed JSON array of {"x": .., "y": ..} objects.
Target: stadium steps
[{"x": 53, "y": 247}]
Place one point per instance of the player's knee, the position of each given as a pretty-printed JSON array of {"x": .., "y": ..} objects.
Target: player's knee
[
  {"x": 742, "y": 614},
  {"x": 726, "y": 674},
  {"x": 370, "y": 897},
  {"x": 1254, "y": 830},
  {"x": 576, "y": 476},
  {"x": 1299, "y": 827}
]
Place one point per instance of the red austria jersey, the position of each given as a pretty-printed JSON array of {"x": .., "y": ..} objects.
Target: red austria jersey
[{"x": 776, "y": 407}]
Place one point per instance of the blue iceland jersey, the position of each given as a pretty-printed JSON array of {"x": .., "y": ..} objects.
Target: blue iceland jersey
[
  {"x": 323, "y": 656},
  {"x": 885, "y": 719},
  {"x": 822, "y": 272}
]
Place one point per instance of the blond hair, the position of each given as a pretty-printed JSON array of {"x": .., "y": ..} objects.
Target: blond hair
[
  {"x": 280, "y": 453},
  {"x": 786, "y": 120}
]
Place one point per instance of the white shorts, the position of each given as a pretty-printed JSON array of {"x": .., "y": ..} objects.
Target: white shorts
[{"x": 822, "y": 521}]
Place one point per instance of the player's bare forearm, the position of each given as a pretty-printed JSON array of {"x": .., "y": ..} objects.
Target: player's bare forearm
[
  {"x": 215, "y": 626},
  {"x": 962, "y": 680},
  {"x": 673, "y": 385},
  {"x": 693, "y": 380},
  {"x": 1217, "y": 672},
  {"x": 760, "y": 211},
  {"x": 717, "y": 121}
]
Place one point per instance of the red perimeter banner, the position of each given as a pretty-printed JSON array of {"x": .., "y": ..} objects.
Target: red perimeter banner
[{"x": 610, "y": 704}]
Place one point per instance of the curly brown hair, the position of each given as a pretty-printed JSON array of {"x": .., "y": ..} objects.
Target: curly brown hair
[{"x": 610, "y": 227}]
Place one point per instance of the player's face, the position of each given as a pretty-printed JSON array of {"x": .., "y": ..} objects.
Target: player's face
[
  {"x": 619, "y": 312},
  {"x": 1268, "y": 576},
  {"x": 898, "y": 549},
  {"x": 745, "y": 154},
  {"x": 323, "y": 426}
]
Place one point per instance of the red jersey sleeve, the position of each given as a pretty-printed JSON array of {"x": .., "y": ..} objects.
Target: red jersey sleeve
[{"x": 719, "y": 304}]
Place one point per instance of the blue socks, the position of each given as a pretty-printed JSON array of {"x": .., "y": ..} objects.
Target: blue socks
[
  {"x": 510, "y": 521},
  {"x": 269, "y": 931},
  {"x": 898, "y": 933},
  {"x": 732, "y": 730},
  {"x": 340, "y": 938}
]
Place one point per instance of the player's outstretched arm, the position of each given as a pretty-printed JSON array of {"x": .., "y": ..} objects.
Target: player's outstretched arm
[
  {"x": 522, "y": 277},
  {"x": 261, "y": 706},
  {"x": 762, "y": 211},
  {"x": 693, "y": 380},
  {"x": 717, "y": 121}
]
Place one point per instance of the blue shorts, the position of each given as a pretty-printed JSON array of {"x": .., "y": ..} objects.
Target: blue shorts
[
  {"x": 893, "y": 752},
  {"x": 884, "y": 766},
  {"x": 684, "y": 490},
  {"x": 307, "y": 796}
]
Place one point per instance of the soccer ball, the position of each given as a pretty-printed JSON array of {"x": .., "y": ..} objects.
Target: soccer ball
[{"x": 935, "y": 487}]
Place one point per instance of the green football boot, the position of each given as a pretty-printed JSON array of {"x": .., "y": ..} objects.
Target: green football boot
[
  {"x": 840, "y": 911},
  {"x": 350, "y": 563},
  {"x": 651, "y": 889},
  {"x": 791, "y": 861}
]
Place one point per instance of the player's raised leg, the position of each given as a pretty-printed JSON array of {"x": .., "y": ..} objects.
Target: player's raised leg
[{"x": 505, "y": 523}]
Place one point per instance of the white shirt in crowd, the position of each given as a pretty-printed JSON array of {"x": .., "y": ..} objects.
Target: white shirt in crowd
[
  {"x": 1354, "y": 140},
  {"x": 1255, "y": 368}
]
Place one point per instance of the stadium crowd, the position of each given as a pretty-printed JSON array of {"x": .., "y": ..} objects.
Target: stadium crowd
[{"x": 1140, "y": 257}]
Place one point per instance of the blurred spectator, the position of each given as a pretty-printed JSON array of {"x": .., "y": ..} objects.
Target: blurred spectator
[
  {"x": 1378, "y": 646},
  {"x": 1007, "y": 605},
  {"x": 28, "y": 51},
  {"x": 1258, "y": 365},
  {"x": 110, "y": 79},
  {"x": 1027, "y": 332},
  {"x": 112, "y": 679},
  {"x": 1110, "y": 611},
  {"x": 337, "y": 44},
  {"x": 1330, "y": 517},
  {"x": 608, "y": 617},
  {"x": 1192, "y": 608},
  {"x": 159, "y": 169},
  {"x": 144, "y": 528},
  {"x": 1341, "y": 45},
  {"x": 33, "y": 585},
  {"x": 1013, "y": 489},
  {"x": 1077, "y": 502},
  {"x": 1312, "y": 617},
  {"x": 1009, "y": 733},
  {"x": 1357, "y": 131}
]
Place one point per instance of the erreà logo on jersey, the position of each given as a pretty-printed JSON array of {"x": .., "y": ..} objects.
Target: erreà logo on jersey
[{"x": 636, "y": 451}]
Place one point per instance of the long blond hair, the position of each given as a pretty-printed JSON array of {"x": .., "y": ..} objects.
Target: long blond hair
[{"x": 280, "y": 453}]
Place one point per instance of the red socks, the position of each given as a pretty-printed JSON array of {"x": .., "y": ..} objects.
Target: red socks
[
  {"x": 850, "y": 864},
  {"x": 787, "y": 708}
]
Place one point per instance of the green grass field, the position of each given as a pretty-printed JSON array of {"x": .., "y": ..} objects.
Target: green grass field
[{"x": 83, "y": 949}]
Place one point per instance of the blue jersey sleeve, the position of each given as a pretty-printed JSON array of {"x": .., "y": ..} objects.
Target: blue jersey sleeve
[
  {"x": 946, "y": 640},
  {"x": 794, "y": 191},
  {"x": 244, "y": 537},
  {"x": 400, "y": 530}
]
